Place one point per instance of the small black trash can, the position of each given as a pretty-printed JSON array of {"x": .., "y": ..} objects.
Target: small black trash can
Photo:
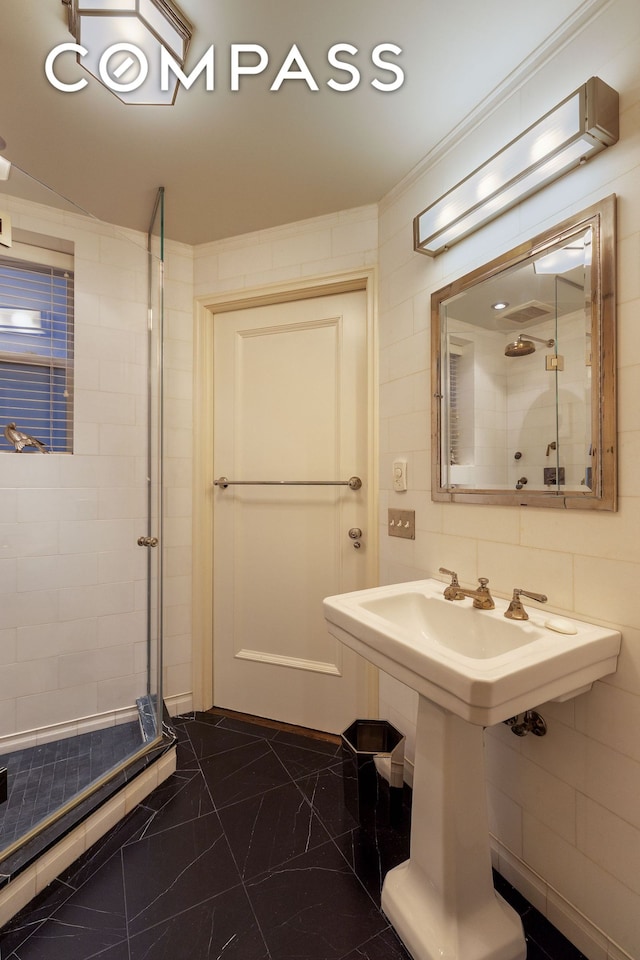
[{"x": 372, "y": 771}]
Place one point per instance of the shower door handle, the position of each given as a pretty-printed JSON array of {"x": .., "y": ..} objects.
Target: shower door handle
[{"x": 147, "y": 541}]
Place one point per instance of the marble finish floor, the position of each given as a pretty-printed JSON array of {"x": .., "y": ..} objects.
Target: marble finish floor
[{"x": 246, "y": 853}]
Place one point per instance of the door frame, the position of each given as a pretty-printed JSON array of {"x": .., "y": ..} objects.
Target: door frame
[{"x": 206, "y": 309}]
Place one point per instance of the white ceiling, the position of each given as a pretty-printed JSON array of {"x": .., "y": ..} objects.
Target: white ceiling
[{"x": 233, "y": 162}]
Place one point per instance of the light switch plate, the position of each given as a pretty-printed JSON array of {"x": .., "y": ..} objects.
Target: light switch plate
[
  {"x": 402, "y": 523},
  {"x": 399, "y": 475}
]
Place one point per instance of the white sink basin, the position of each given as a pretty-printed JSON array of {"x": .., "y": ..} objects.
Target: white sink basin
[{"x": 475, "y": 663}]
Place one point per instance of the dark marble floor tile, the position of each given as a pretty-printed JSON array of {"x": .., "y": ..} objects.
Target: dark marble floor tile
[
  {"x": 510, "y": 894},
  {"x": 325, "y": 791},
  {"x": 97, "y": 856},
  {"x": 209, "y": 739},
  {"x": 185, "y": 754},
  {"x": 91, "y": 920},
  {"x": 118, "y": 952},
  {"x": 534, "y": 952},
  {"x": 270, "y": 829},
  {"x": 223, "y": 927},
  {"x": 244, "y": 726},
  {"x": 169, "y": 872},
  {"x": 184, "y": 796},
  {"x": 25, "y": 923},
  {"x": 386, "y": 946},
  {"x": 302, "y": 761},
  {"x": 244, "y": 772},
  {"x": 318, "y": 744},
  {"x": 314, "y": 908},
  {"x": 371, "y": 856},
  {"x": 246, "y": 853},
  {"x": 545, "y": 937}
]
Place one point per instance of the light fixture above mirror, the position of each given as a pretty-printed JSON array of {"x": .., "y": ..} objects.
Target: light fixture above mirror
[{"x": 583, "y": 124}]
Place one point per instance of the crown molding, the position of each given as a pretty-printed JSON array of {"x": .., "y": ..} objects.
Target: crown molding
[{"x": 514, "y": 81}]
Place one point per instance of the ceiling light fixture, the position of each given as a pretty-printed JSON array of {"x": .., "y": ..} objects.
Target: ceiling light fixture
[
  {"x": 139, "y": 28},
  {"x": 583, "y": 124}
]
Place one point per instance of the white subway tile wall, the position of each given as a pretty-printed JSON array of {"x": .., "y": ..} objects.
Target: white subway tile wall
[
  {"x": 563, "y": 808},
  {"x": 72, "y": 578}
]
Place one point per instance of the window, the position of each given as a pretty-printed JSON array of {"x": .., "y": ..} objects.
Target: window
[
  {"x": 36, "y": 349},
  {"x": 454, "y": 408}
]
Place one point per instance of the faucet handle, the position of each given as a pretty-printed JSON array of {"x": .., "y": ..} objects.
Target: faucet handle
[
  {"x": 450, "y": 573},
  {"x": 483, "y": 599},
  {"x": 452, "y": 592},
  {"x": 515, "y": 610}
]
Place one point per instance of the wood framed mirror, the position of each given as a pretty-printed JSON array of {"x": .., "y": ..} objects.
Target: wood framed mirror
[{"x": 523, "y": 373}]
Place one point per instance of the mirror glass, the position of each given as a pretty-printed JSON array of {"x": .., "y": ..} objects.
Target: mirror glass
[{"x": 523, "y": 371}]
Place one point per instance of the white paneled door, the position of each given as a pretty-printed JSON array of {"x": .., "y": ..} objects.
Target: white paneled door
[{"x": 290, "y": 404}]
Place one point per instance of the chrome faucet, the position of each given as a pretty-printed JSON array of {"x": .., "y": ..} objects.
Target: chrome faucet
[
  {"x": 482, "y": 599},
  {"x": 515, "y": 610}
]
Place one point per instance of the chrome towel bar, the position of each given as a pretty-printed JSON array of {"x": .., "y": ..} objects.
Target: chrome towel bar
[{"x": 353, "y": 482}]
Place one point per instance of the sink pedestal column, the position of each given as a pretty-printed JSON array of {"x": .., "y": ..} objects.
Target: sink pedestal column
[{"x": 441, "y": 901}]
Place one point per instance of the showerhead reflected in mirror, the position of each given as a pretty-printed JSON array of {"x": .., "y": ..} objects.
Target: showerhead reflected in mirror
[
  {"x": 553, "y": 297},
  {"x": 524, "y": 346}
]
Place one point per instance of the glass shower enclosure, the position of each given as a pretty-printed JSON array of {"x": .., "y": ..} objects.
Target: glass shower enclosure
[{"x": 80, "y": 513}]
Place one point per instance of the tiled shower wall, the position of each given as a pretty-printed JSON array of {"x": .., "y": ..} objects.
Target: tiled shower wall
[
  {"x": 509, "y": 404},
  {"x": 564, "y": 808},
  {"x": 72, "y": 578}
]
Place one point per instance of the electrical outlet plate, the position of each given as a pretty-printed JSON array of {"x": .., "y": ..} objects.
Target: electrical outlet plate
[{"x": 402, "y": 523}]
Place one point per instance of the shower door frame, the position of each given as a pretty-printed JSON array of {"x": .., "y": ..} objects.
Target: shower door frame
[{"x": 25, "y": 850}]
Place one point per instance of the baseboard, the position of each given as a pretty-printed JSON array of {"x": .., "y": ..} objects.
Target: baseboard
[
  {"x": 179, "y": 703},
  {"x": 60, "y": 731},
  {"x": 578, "y": 929},
  {"x": 408, "y": 772}
]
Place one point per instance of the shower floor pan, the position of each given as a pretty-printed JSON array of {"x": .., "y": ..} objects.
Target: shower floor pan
[{"x": 45, "y": 777}]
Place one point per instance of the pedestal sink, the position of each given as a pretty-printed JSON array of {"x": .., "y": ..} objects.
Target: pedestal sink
[{"x": 471, "y": 668}]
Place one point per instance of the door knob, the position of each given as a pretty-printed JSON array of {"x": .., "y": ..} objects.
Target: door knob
[{"x": 355, "y": 533}]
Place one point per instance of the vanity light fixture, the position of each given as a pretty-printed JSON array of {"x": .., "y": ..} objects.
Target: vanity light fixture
[
  {"x": 575, "y": 254},
  {"x": 146, "y": 25},
  {"x": 583, "y": 124}
]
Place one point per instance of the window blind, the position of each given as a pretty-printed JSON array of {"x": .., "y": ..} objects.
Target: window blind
[
  {"x": 36, "y": 348},
  {"x": 454, "y": 408}
]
